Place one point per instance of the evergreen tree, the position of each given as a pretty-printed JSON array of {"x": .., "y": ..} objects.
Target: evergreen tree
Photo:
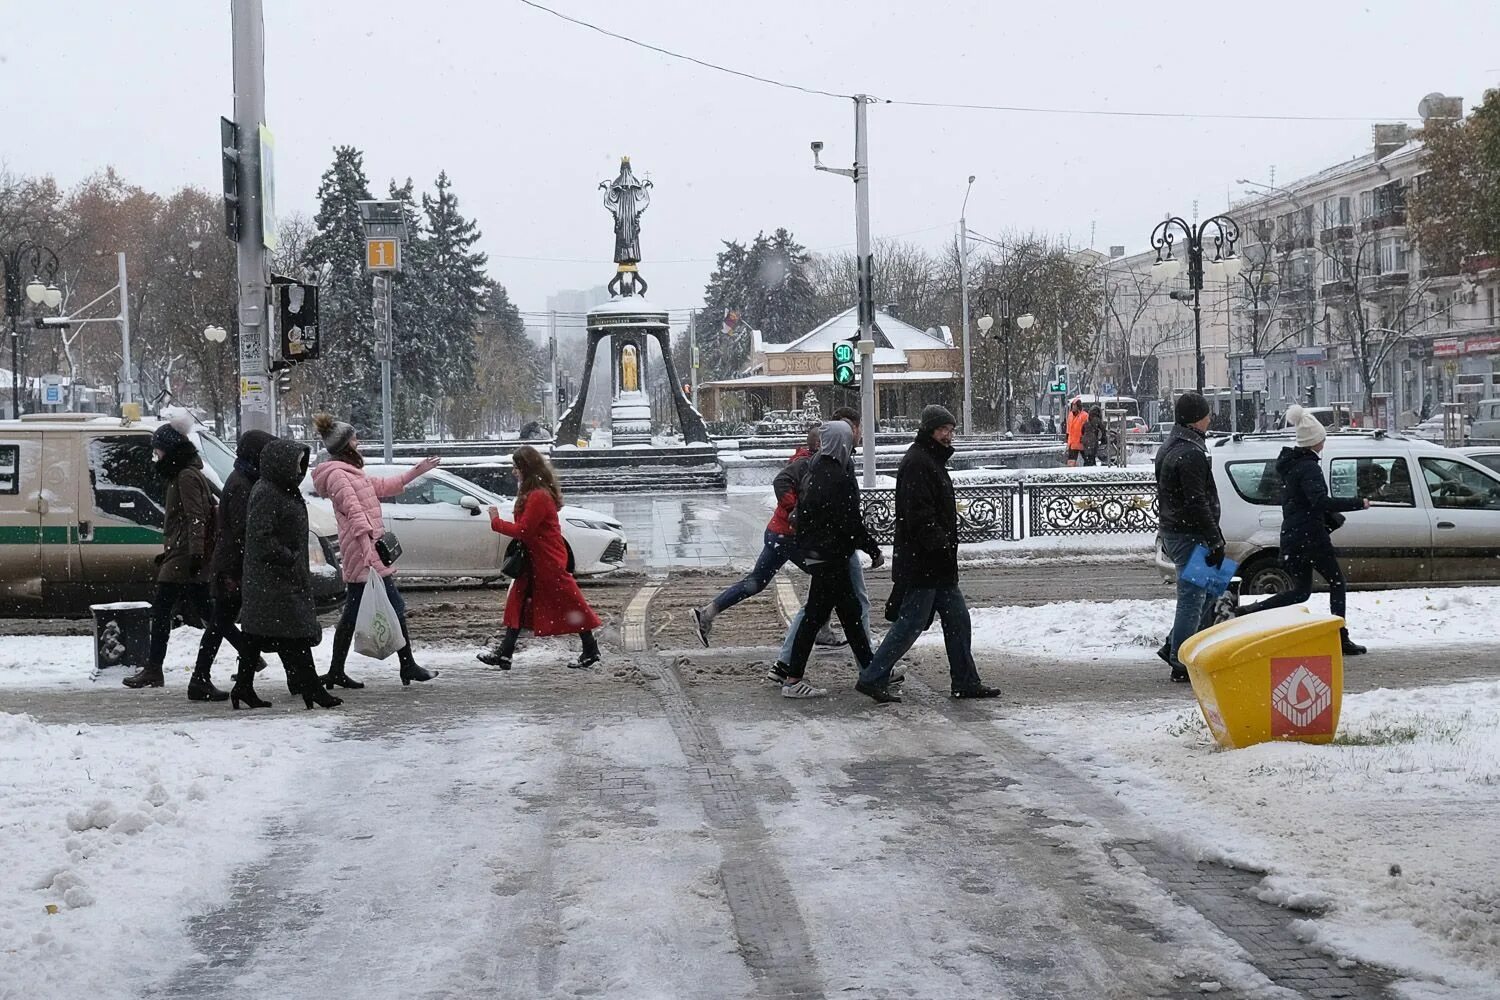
[
  {"x": 767, "y": 285},
  {"x": 459, "y": 283},
  {"x": 348, "y": 376}
]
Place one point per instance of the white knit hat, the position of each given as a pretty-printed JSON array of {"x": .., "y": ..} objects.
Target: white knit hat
[{"x": 1310, "y": 433}]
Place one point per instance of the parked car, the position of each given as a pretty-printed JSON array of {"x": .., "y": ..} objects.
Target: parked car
[
  {"x": 1432, "y": 429},
  {"x": 1486, "y": 455},
  {"x": 1486, "y": 425},
  {"x": 445, "y": 532},
  {"x": 1136, "y": 427},
  {"x": 1434, "y": 513},
  {"x": 82, "y": 512}
]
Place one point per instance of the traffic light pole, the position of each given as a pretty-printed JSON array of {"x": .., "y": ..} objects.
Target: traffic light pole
[
  {"x": 866, "y": 286},
  {"x": 257, "y": 394}
]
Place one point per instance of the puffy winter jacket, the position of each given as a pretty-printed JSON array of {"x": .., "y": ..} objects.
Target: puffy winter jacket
[
  {"x": 189, "y": 510},
  {"x": 926, "y": 545},
  {"x": 356, "y": 506},
  {"x": 830, "y": 526},
  {"x": 786, "y": 484},
  {"x": 1305, "y": 503},
  {"x": 234, "y": 507},
  {"x": 277, "y": 584},
  {"x": 1185, "y": 489}
]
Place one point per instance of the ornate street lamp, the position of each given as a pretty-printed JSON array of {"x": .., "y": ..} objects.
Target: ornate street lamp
[
  {"x": 1225, "y": 263},
  {"x": 42, "y": 263},
  {"x": 998, "y": 301}
]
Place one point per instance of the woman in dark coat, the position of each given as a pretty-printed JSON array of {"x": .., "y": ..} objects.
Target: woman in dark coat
[
  {"x": 229, "y": 560},
  {"x": 183, "y": 567},
  {"x": 277, "y": 609},
  {"x": 1306, "y": 512},
  {"x": 1093, "y": 436},
  {"x": 545, "y": 598}
]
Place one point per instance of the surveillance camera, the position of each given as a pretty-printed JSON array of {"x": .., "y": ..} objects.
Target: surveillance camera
[{"x": 817, "y": 147}]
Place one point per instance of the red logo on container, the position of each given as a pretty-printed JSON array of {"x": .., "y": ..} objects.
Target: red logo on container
[{"x": 1301, "y": 696}]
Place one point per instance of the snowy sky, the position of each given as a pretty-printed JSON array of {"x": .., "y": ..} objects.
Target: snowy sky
[{"x": 528, "y": 113}]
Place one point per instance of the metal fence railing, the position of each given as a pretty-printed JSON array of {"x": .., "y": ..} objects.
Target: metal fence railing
[{"x": 1012, "y": 511}]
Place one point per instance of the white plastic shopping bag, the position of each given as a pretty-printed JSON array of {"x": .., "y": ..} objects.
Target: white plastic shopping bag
[{"x": 377, "y": 630}]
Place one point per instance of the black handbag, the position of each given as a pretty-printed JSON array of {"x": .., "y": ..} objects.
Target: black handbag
[
  {"x": 517, "y": 562},
  {"x": 388, "y": 548}
]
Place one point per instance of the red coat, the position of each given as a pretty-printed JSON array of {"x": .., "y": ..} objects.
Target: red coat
[{"x": 545, "y": 600}]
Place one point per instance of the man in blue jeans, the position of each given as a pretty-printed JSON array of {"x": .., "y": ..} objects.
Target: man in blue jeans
[
  {"x": 924, "y": 570},
  {"x": 1189, "y": 504}
]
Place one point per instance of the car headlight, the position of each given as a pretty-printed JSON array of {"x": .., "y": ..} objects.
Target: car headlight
[
  {"x": 315, "y": 555},
  {"x": 579, "y": 522}
]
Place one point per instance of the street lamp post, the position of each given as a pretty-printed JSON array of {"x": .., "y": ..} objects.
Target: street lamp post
[
  {"x": 40, "y": 259},
  {"x": 963, "y": 284},
  {"x": 997, "y": 301},
  {"x": 1225, "y": 233}
]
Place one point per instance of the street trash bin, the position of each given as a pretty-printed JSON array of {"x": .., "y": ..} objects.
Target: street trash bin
[
  {"x": 1275, "y": 675},
  {"x": 122, "y": 635}
]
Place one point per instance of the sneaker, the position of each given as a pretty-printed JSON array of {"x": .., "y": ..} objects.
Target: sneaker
[
  {"x": 977, "y": 691},
  {"x": 801, "y": 689},
  {"x": 881, "y": 695},
  {"x": 1180, "y": 672},
  {"x": 897, "y": 676},
  {"x": 828, "y": 637},
  {"x": 779, "y": 672},
  {"x": 702, "y": 623}
]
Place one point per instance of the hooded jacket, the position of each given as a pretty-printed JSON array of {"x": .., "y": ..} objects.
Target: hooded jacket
[
  {"x": 189, "y": 515},
  {"x": 1185, "y": 490},
  {"x": 234, "y": 507},
  {"x": 1305, "y": 503},
  {"x": 1093, "y": 431},
  {"x": 925, "y": 554},
  {"x": 786, "y": 484},
  {"x": 830, "y": 526},
  {"x": 277, "y": 584}
]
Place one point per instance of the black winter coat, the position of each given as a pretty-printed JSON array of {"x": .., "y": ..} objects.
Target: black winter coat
[
  {"x": 277, "y": 584},
  {"x": 926, "y": 550},
  {"x": 1185, "y": 489},
  {"x": 234, "y": 507},
  {"x": 830, "y": 526},
  {"x": 189, "y": 511},
  {"x": 1305, "y": 503}
]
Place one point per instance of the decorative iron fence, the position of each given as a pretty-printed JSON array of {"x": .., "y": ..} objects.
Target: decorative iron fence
[{"x": 994, "y": 511}]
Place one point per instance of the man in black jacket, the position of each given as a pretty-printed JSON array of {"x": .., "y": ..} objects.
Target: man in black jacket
[
  {"x": 1189, "y": 504},
  {"x": 830, "y": 530},
  {"x": 924, "y": 570}
]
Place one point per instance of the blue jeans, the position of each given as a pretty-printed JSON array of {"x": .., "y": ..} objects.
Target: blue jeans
[
  {"x": 343, "y": 635},
  {"x": 917, "y": 610},
  {"x": 857, "y": 576},
  {"x": 1194, "y": 604},
  {"x": 776, "y": 551}
]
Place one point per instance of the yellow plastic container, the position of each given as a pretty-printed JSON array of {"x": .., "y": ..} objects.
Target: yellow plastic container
[{"x": 1276, "y": 675}]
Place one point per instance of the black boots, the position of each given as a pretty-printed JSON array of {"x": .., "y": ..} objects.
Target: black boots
[
  {"x": 312, "y": 692},
  {"x": 201, "y": 687},
  {"x": 337, "y": 678},
  {"x": 977, "y": 691},
  {"x": 495, "y": 657},
  {"x": 243, "y": 691},
  {"x": 411, "y": 672},
  {"x": 1351, "y": 648},
  {"x": 146, "y": 677}
]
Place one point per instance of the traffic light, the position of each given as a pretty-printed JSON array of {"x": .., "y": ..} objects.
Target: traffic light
[
  {"x": 284, "y": 382},
  {"x": 1060, "y": 379},
  {"x": 229, "y": 158},
  {"x": 1312, "y": 395},
  {"x": 294, "y": 310},
  {"x": 843, "y": 363}
]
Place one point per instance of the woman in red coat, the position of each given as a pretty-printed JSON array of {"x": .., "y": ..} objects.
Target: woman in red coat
[{"x": 545, "y": 598}]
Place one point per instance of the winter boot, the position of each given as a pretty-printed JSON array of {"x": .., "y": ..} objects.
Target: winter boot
[
  {"x": 313, "y": 692},
  {"x": 146, "y": 677},
  {"x": 977, "y": 691},
  {"x": 244, "y": 689},
  {"x": 495, "y": 656},
  {"x": 1351, "y": 648},
  {"x": 881, "y": 695},
  {"x": 337, "y": 678},
  {"x": 411, "y": 672},
  {"x": 201, "y": 687},
  {"x": 293, "y": 682}
]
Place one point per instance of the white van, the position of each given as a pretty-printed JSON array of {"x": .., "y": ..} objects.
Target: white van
[
  {"x": 1434, "y": 515},
  {"x": 82, "y": 512}
]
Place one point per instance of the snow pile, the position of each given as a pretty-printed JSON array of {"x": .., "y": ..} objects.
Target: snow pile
[
  {"x": 1390, "y": 830},
  {"x": 1124, "y": 630},
  {"x": 112, "y": 834}
]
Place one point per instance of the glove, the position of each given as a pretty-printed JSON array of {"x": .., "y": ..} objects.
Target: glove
[{"x": 1216, "y": 555}]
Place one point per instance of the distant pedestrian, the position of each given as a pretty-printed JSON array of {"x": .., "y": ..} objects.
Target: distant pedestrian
[
  {"x": 229, "y": 560},
  {"x": 924, "y": 567},
  {"x": 182, "y": 572},
  {"x": 1076, "y": 421},
  {"x": 1093, "y": 436},
  {"x": 356, "y": 497},
  {"x": 1189, "y": 505},
  {"x": 778, "y": 543},
  {"x": 830, "y": 530},
  {"x": 1308, "y": 517},
  {"x": 277, "y": 607},
  {"x": 545, "y": 598}
]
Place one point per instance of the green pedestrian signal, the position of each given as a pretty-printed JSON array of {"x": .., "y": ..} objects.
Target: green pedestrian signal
[{"x": 843, "y": 363}]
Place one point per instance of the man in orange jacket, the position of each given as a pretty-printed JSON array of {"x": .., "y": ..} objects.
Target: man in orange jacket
[{"x": 1077, "y": 418}]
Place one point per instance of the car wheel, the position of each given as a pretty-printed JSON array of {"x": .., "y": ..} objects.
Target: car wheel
[
  {"x": 571, "y": 565},
  {"x": 1265, "y": 577}
]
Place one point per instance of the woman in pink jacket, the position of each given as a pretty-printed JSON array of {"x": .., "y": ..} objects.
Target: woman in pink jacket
[{"x": 356, "y": 505}]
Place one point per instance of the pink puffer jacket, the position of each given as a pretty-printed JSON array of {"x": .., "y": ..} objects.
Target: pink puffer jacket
[{"x": 356, "y": 505}]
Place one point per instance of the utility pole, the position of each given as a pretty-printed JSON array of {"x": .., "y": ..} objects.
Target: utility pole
[
  {"x": 257, "y": 394},
  {"x": 860, "y": 174},
  {"x": 127, "y": 381},
  {"x": 552, "y": 367},
  {"x": 963, "y": 284}
]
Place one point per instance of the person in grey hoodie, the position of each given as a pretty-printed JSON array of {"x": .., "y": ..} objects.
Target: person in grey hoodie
[{"x": 276, "y": 588}]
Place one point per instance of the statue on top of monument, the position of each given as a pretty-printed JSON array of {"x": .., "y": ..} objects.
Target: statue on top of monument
[{"x": 626, "y": 199}]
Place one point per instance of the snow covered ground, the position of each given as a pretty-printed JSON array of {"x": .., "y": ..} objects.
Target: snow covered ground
[
  {"x": 1123, "y": 630},
  {"x": 1390, "y": 830}
]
